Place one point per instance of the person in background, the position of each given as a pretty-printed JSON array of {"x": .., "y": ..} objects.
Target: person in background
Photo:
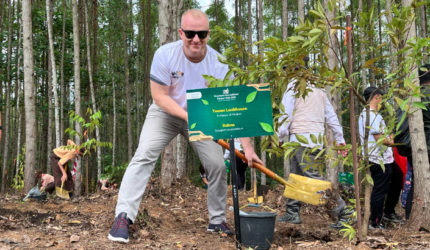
[
  {"x": 47, "y": 181},
  {"x": 105, "y": 184},
  {"x": 240, "y": 165},
  {"x": 59, "y": 159},
  {"x": 307, "y": 117},
  {"x": 388, "y": 179}
]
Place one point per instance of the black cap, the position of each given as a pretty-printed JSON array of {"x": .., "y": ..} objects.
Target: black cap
[{"x": 372, "y": 91}]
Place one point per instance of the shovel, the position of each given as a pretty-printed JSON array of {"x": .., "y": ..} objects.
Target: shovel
[
  {"x": 256, "y": 200},
  {"x": 60, "y": 191},
  {"x": 297, "y": 187}
]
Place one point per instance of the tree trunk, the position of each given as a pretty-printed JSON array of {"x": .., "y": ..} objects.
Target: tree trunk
[
  {"x": 423, "y": 31},
  {"x": 18, "y": 92},
  {"x": 114, "y": 108},
  {"x": 93, "y": 97},
  {"x": 335, "y": 99},
  {"x": 77, "y": 63},
  {"x": 372, "y": 53},
  {"x": 54, "y": 74},
  {"x": 301, "y": 9},
  {"x": 127, "y": 87},
  {"x": 284, "y": 21},
  {"x": 393, "y": 60},
  {"x": 166, "y": 33},
  {"x": 420, "y": 212},
  {"x": 62, "y": 85},
  {"x": 29, "y": 100},
  {"x": 6, "y": 125},
  {"x": 260, "y": 52},
  {"x": 285, "y": 37},
  {"x": 49, "y": 125},
  {"x": 362, "y": 54}
]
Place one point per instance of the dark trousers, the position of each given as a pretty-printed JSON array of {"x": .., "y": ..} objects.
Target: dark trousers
[
  {"x": 50, "y": 188},
  {"x": 395, "y": 189},
  {"x": 68, "y": 184},
  {"x": 381, "y": 181},
  {"x": 410, "y": 197},
  {"x": 240, "y": 170}
]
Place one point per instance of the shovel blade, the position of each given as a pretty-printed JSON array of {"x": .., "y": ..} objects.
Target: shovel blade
[
  {"x": 62, "y": 193},
  {"x": 259, "y": 200},
  {"x": 314, "y": 198}
]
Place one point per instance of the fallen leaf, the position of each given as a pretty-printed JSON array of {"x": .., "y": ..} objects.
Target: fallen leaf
[
  {"x": 74, "y": 222},
  {"x": 74, "y": 238},
  {"x": 163, "y": 204},
  {"x": 279, "y": 248},
  {"x": 85, "y": 232},
  {"x": 179, "y": 246},
  {"x": 223, "y": 235},
  {"x": 58, "y": 217},
  {"x": 200, "y": 219},
  {"x": 144, "y": 233},
  {"x": 27, "y": 239}
]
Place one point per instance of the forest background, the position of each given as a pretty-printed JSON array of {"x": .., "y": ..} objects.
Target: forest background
[{"x": 85, "y": 65}]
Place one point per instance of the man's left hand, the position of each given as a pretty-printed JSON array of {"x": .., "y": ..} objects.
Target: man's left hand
[{"x": 344, "y": 152}]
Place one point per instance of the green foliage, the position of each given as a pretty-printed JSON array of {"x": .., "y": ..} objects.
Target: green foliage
[
  {"x": 90, "y": 127},
  {"x": 18, "y": 181},
  {"x": 115, "y": 173}
]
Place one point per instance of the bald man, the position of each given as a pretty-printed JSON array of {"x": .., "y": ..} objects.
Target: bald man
[{"x": 176, "y": 68}]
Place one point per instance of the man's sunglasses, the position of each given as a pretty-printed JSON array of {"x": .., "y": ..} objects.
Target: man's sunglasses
[{"x": 190, "y": 34}]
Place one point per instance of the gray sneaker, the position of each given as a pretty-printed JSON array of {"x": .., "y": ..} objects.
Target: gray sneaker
[
  {"x": 346, "y": 216},
  {"x": 119, "y": 231},
  {"x": 291, "y": 216}
]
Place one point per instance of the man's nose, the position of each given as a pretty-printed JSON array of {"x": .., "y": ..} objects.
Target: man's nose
[{"x": 196, "y": 38}]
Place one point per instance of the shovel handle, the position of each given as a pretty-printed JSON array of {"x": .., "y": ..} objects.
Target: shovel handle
[{"x": 256, "y": 165}]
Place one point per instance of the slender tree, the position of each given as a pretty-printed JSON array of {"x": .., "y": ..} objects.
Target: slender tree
[
  {"x": 77, "y": 76},
  {"x": 335, "y": 98},
  {"x": 54, "y": 72},
  {"x": 127, "y": 85},
  {"x": 420, "y": 213},
  {"x": 18, "y": 92},
  {"x": 260, "y": 52},
  {"x": 6, "y": 127},
  {"x": 168, "y": 155},
  {"x": 29, "y": 100},
  {"x": 284, "y": 37},
  {"x": 93, "y": 96},
  {"x": 62, "y": 87}
]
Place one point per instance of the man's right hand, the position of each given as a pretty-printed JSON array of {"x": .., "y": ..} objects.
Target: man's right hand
[{"x": 64, "y": 178}]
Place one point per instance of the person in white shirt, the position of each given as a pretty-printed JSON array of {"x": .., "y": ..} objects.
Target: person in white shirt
[
  {"x": 388, "y": 181},
  {"x": 177, "y": 67},
  {"x": 307, "y": 117}
]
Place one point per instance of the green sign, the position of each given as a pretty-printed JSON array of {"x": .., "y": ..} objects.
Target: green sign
[
  {"x": 346, "y": 178},
  {"x": 229, "y": 112}
]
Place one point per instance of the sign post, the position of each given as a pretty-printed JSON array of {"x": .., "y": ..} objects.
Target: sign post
[{"x": 230, "y": 112}]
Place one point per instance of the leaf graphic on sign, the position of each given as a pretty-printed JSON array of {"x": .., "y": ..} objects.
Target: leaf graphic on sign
[
  {"x": 251, "y": 97},
  {"x": 205, "y": 102},
  {"x": 266, "y": 126},
  {"x": 193, "y": 125}
]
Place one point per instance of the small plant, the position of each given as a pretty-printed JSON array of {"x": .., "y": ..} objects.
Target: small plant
[
  {"x": 18, "y": 181},
  {"x": 348, "y": 231},
  {"x": 114, "y": 173}
]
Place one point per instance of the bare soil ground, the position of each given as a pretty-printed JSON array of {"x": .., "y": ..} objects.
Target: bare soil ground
[{"x": 174, "y": 219}]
